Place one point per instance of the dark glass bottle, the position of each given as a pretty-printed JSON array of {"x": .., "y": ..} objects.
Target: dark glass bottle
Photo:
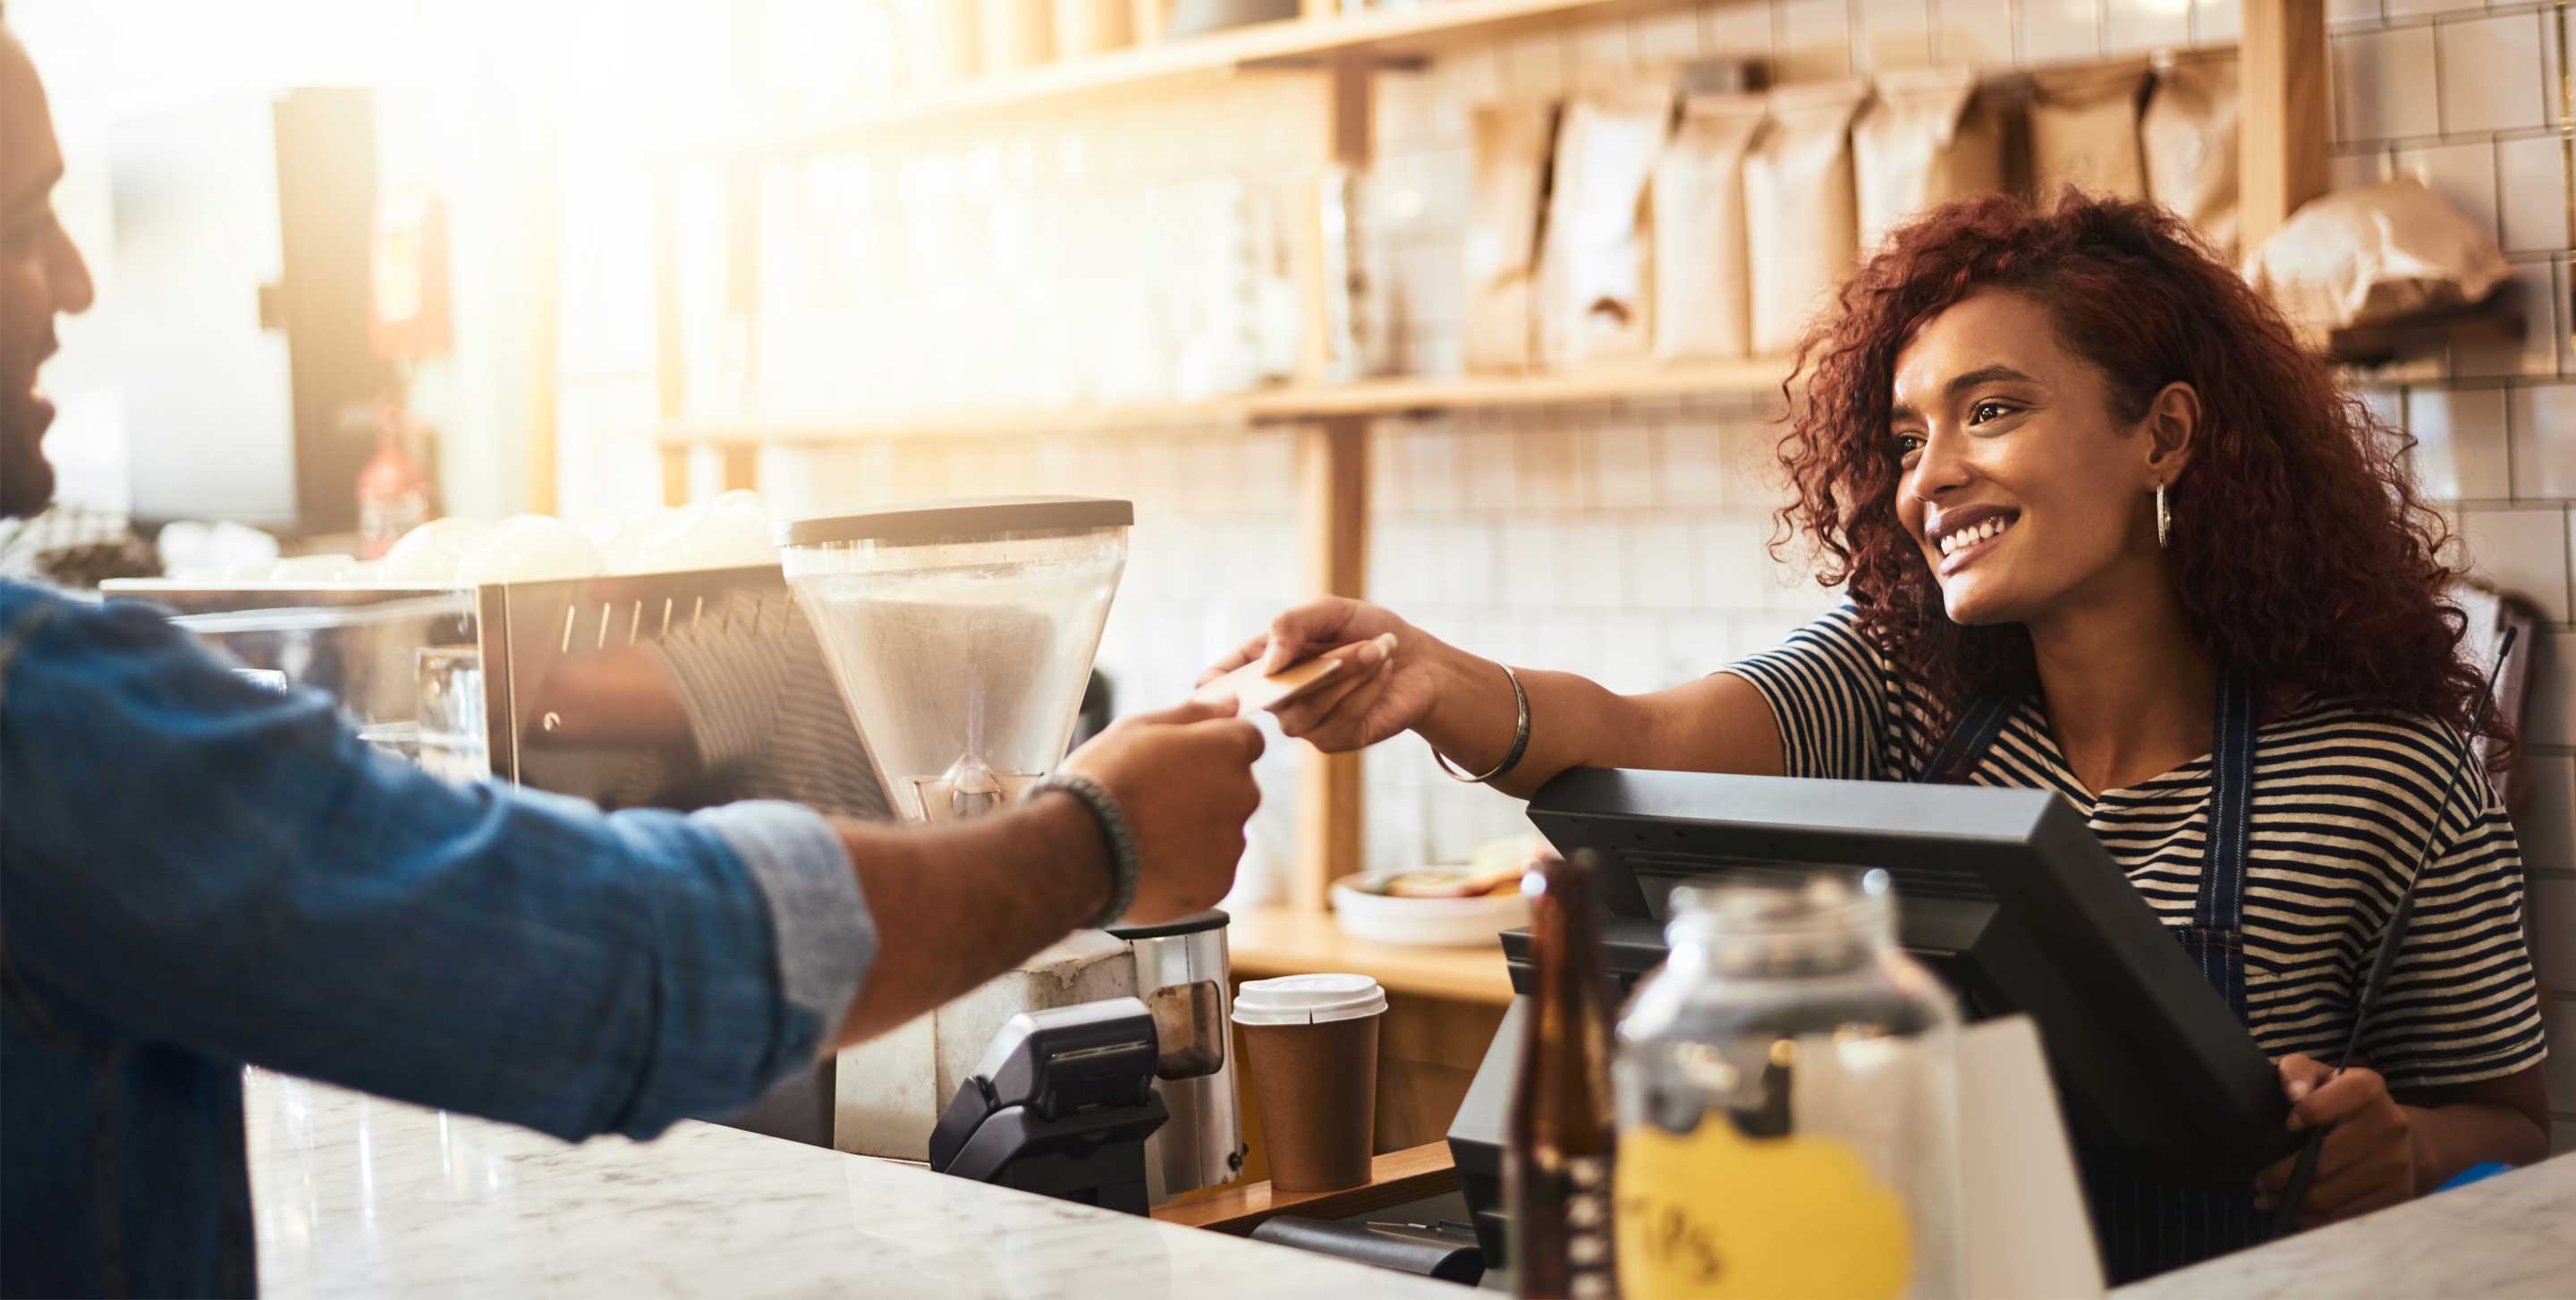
[{"x": 1563, "y": 1125}]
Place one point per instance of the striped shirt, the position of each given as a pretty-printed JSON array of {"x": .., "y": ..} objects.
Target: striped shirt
[{"x": 2343, "y": 795}]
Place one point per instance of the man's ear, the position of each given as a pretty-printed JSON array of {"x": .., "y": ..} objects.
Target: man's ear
[{"x": 2172, "y": 430}]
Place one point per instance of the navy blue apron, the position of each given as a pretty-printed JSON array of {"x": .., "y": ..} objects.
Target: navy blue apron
[{"x": 2148, "y": 1227}]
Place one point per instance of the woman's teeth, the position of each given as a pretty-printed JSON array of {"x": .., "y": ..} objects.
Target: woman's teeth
[{"x": 1953, "y": 543}]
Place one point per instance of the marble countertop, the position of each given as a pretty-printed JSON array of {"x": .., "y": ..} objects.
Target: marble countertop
[
  {"x": 359, "y": 1197},
  {"x": 2507, "y": 1237}
]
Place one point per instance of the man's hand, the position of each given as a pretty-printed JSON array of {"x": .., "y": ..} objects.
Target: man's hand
[
  {"x": 959, "y": 903},
  {"x": 1184, "y": 779},
  {"x": 2371, "y": 1158}
]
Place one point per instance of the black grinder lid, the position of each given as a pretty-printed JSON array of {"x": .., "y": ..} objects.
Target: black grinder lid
[
  {"x": 1194, "y": 923},
  {"x": 951, "y": 520}
]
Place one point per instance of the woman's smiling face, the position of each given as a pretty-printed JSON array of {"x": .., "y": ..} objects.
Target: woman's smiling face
[{"x": 2021, "y": 484}]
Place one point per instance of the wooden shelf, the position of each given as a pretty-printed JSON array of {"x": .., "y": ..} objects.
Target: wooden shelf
[
  {"x": 1386, "y": 34},
  {"x": 1262, "y": 942},
  {"x": 1371, "y": 397},
  {"x": 963, "y": 422},
  {"x": 1624, "y": 383},
  {"x": 1397, "y": 1177}
]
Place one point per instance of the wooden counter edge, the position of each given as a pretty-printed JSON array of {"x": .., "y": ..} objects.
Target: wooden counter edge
[
  {"x": 1266, "y": 941},
  {"x": 1394, "y": 1178}
]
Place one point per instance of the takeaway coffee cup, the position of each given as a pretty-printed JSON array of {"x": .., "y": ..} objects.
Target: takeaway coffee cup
[{"x": 1310, "y": 1050}]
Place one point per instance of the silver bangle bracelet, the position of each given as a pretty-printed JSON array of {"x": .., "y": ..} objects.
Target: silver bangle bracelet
[
  {"x": 1125, "y": 861},
  {"x": 1520, "y": 739}
]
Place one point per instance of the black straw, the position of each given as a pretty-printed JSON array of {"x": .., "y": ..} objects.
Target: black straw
[{"x": 2285, "y": 1216}]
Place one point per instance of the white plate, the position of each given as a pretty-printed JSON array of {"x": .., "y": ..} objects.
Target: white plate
[{"x": 1428, "y": 922}]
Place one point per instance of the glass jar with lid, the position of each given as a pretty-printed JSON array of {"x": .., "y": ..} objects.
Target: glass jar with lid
[{"x": 1786, "y": 1090}]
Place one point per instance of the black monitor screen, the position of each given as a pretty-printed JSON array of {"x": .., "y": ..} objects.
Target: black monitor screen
[{"x": 2009, "y": 897}]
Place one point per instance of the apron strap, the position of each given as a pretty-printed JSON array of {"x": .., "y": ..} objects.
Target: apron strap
[
  {"x": 2218, "y": 913},
  {"x": 1969, "y": 739},
  {"x": 2215, "y": 936},
  {"x": 2149, "y": 1226}
]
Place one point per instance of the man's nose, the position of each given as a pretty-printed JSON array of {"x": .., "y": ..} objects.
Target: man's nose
[{"x": 67, "y": 274}]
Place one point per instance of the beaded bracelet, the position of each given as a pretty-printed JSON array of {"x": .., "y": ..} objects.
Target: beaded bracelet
[{"x": 1125, "y": 863}]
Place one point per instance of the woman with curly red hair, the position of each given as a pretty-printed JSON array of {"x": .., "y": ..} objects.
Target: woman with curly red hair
[{"x": 2105, "y": 530}]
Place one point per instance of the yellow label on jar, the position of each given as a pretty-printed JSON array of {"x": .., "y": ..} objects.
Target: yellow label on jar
[{"x": 1711, "y": 1214}]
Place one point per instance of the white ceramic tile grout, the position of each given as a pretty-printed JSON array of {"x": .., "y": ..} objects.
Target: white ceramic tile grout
[{"x": 2542, "y": 429}]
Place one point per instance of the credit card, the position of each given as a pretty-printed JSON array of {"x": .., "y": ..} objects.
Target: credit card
[{"x": 1254, "y": 689}]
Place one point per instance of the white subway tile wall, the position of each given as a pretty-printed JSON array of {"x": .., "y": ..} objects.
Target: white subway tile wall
[
  {"x": 1974, "y": 32},
  {"x": 2134, "y": 26},
  {"x": 1632, "y": 543},
  {"x": 1893, "y": 33},
  {"x": 1727, "y": 27},
  {"x": 2533, "y": 176},
  {"x": 2413, "y": 8},
  {"x": 1814, "y": 40},
  {"x": 2217, "y": 22},
  {"x": 2060, "y": 31},
  {"x": 2386, "y": 85},
  {"x": 2524, "y": 550},
  {"x": 2461, "y": 450},
  {"x": 2544, "y": 440},
  {"x": 2489, "y": 79}
]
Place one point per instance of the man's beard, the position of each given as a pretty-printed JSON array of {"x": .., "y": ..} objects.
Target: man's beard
[{"x": 26, "y": 478}]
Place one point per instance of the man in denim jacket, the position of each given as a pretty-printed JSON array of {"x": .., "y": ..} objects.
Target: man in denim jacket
[{"x": 197, "y": 872}]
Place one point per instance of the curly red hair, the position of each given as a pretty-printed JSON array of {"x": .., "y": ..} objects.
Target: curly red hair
[{"x": 2302, "y": 553}]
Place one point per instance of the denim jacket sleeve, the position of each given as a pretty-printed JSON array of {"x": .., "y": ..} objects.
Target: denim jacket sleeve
[{"x": 195, "y": 859}]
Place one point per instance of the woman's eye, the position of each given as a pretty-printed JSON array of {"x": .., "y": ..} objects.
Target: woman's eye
[
  {"x": 1985, "y": 411},
  {"x": 1907, "y": 444}
]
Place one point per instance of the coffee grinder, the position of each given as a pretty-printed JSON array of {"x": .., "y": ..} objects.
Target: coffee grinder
[{"x": 961, "y": 635}]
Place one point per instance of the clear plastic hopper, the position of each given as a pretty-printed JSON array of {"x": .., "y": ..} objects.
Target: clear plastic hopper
[{"x": 961, "y": 635}]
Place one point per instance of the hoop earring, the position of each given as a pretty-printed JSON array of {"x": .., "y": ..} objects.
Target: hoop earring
[{"x": 2164, "y": 518}]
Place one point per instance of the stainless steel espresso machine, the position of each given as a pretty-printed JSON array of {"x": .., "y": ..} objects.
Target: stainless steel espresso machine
[{"x": 960, "y": 637}]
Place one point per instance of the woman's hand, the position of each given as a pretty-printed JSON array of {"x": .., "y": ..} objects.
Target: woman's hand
[
  {"x": 2371, "y": 1158},
  {"x": 1390, "y": 687}
]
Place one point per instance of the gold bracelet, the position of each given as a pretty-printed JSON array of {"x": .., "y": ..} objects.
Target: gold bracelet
[{"x": 1520, "y": 739}]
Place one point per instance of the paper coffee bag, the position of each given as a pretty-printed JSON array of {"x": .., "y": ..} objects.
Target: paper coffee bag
[
  {"x": 1593, "y": 287},
  {"x": 2373, "y": 254},
  {"x": 1503, "y": 217},
  {"x": 1800, "y": 221},
  {"x": 1928, "y": 138},
  {"x": 2084, "y": 131},
  {"x": 2188, "y": 138},
  {"x": 1703, "y": 284}
]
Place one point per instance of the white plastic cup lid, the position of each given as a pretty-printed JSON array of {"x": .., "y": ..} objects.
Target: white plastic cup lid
[{"x": 1307, "y": 1000}]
